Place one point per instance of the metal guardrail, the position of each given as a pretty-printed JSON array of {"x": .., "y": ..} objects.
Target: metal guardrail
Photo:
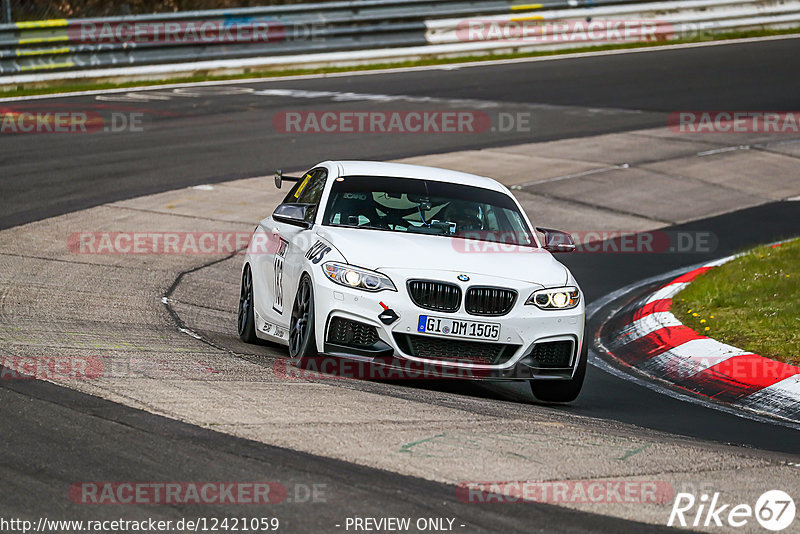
[
  {"x": 190, "y": 36},
  {"x": 300, "y": 34},
  {"x": 665, "y": 20}
]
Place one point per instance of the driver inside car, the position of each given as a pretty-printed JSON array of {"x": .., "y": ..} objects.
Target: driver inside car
[{"x": 465, "y": 215}]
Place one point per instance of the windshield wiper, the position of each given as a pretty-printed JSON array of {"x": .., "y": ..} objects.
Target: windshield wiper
[{"x": 367, "y": 226}]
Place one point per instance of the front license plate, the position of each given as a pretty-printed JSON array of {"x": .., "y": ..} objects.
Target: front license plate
[{"x": 444, "y": 326}]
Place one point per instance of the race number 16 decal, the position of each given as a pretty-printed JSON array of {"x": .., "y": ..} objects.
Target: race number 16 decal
[{"x": 280, "y": 254}]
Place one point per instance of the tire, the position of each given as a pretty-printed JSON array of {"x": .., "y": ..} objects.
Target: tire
[
  {"x": 245, "y": 320},
  {"x": 302, "y": 340},
  {"x": 562, "y": 390}
]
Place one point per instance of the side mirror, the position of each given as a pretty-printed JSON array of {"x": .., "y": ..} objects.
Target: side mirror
[
  {"x": 294, "y": 214},
  {"x": 556, "y": 240}
]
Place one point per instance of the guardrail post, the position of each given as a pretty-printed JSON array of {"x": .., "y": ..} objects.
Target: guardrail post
[{"x": 6, "y": 14}]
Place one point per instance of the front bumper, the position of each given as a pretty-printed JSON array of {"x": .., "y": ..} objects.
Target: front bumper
[{"x": 521, "y": 330}]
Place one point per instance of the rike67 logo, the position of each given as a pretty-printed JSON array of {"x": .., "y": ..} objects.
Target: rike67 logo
[{"x": 774, "y": 510}]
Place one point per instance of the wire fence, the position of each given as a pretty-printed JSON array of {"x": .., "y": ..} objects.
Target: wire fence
[{"x": 27, "y": 10}]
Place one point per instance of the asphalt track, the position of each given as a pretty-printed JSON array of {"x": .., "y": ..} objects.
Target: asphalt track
[
  {"x": 54, "y": 436},
  {"x": 59, "y": 437}
]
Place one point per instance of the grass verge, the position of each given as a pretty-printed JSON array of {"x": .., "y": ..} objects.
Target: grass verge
[
  {"x": 71, "y": 86},
  {"x": 751, "y": 302}
]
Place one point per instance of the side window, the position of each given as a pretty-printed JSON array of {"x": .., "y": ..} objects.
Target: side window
[
  {"x": 292, "y": 195},
  {"x": 491, "y": 218},
  {"x": 298, "y": 187},
  {"x": 310, "y": 192}
]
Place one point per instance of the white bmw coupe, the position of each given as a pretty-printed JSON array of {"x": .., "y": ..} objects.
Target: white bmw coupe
[{"x": 403, "y": 265}]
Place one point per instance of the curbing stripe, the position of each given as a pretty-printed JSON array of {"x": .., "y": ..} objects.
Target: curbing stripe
[
  {"x": 646, "y": 335},
  {"x": 637, "y": 310},
  {"x": 667, "y": 292},
  {"x": 755, "y": 369},
  {"x": 651, "y": 323},
  {"x": 691, "y": 357},
  {"x": 711, "y": 352},
  {"x": 781, "y": 399},
  {"x": 652, "y": 307},
  {"x": 640, "y": 350},
  {"x": 690, "y": 276}
]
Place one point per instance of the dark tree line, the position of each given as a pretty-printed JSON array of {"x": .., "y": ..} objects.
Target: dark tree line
[{"x": 51, "y": 9}]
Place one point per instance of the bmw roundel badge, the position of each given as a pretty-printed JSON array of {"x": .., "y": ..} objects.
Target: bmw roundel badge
[{"x": 463, "y": 277}]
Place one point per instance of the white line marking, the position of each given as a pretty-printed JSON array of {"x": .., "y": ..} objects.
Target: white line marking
[
  {"x": 138, "y": 96},
  {"x": 574, "y": 175},
  {"x": 191, "y": 333},
  {"x": 722, "y": 261},
  {"x": 723, "y": 150},
  {"x": 777, "y": 143},
  {"x": 338, "y": 96}
]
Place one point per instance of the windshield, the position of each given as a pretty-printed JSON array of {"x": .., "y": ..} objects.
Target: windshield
[{"x": 426, "y": 207}]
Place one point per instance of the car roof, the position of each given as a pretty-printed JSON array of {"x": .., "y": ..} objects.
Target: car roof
[{"x": 418, "y": 172}]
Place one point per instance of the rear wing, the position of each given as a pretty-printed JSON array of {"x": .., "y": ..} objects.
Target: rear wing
[{"x": 280, "y": 178}]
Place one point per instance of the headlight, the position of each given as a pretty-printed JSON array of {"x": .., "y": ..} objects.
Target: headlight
[
  {"x": 356, "y": 277},
  {"x": 559, "y": 298}
]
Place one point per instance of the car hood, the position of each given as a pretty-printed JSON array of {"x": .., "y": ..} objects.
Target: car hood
[{"x": 377, "y": 250}]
